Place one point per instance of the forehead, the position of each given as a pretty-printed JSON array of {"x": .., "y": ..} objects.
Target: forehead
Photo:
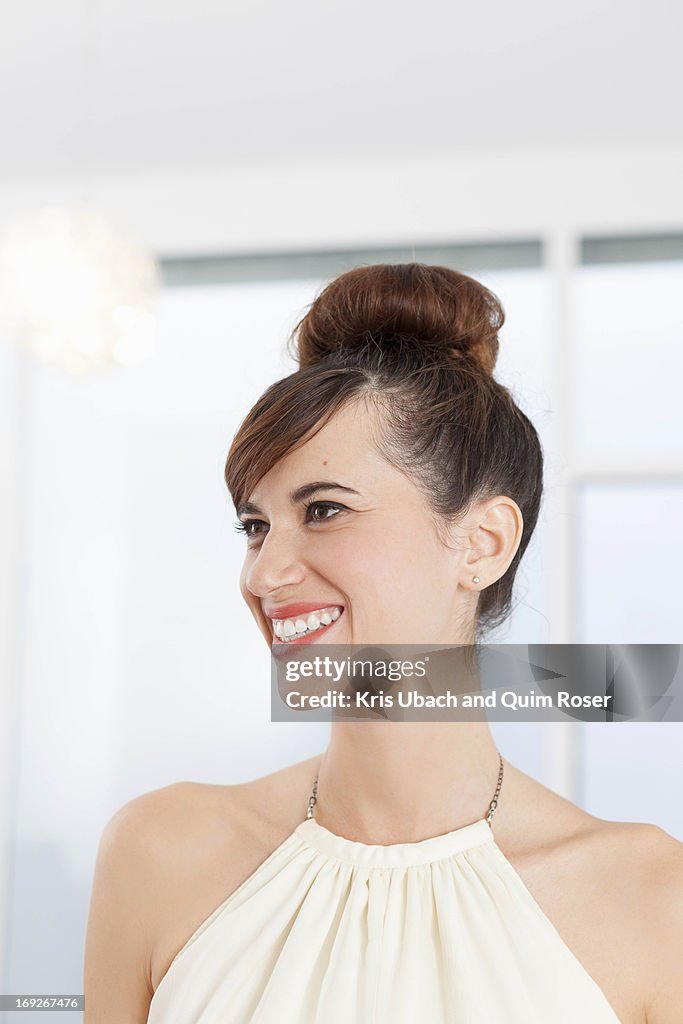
[{"x": 342, "y": 450}]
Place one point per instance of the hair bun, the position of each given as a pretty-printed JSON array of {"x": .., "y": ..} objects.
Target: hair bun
[{"x": 446, "y": 313}]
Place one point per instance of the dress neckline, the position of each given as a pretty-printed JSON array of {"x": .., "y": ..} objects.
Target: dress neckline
[{"x": 425, "y": 851}]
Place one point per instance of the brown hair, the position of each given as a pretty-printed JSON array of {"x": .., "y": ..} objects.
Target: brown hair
[{"x": 421, "y": 343}]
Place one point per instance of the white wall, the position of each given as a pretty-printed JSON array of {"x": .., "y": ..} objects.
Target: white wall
[{"x": 288, "y": 206}]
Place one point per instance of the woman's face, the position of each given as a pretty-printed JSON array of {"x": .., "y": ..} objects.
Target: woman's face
[{"x": 342, "y": 548}]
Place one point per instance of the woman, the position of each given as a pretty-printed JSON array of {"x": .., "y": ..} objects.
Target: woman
[{"x": 387, "y": 491}]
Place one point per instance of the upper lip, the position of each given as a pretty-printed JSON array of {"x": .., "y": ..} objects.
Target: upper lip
[{"x": 290, "y": 611}]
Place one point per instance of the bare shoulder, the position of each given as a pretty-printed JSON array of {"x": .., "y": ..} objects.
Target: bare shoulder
[
  {"x": 165, "y": 829},
  {"x": 650, "y": 862},
  {"x": 165, "y": 860},
  {"x": 637, "y": 873},
  {"x": 162, "y": 822},
  {"x": 189, "y": 846},
  {"x": 121, "y": 923},
  {"x": 638, "y": 859},
  {"x": 614, "y": 891}
]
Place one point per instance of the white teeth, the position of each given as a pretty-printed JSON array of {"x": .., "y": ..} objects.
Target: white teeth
[{"x": 289, "y": 629}]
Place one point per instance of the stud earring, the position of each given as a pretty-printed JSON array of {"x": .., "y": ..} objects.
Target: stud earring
[{"x": 475, "y": 579}]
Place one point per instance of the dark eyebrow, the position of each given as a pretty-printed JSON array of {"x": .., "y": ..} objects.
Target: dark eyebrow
[{"x": 300, "y": 494}]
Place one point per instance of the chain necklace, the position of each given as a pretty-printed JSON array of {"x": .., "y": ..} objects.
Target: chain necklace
[{"x": 313, "y": 798}]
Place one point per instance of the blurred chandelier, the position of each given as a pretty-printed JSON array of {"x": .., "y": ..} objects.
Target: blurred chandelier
[{"x": 77, "y": 293}]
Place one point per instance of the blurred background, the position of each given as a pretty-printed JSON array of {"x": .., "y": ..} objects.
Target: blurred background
[{"x": 177, "y": 182}]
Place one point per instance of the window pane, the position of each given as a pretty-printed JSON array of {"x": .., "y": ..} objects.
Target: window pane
[
  {"x": 623, "y": 787},
  {"x": 629, "y": 561},
  {"x": 626, "y": 362}
]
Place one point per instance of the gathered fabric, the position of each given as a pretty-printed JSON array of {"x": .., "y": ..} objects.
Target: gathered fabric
[{"x": 331, "y": 931}]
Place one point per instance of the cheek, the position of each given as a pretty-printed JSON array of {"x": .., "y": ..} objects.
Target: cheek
[
  {"x": 415, "y": 575},
  {"x": 380, "y": 569}
]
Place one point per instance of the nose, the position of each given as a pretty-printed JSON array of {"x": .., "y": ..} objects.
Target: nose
[{"x": 277, "y": 564}]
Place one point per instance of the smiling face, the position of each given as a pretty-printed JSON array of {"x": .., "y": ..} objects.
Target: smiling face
[{"x": 343, "y": 548}]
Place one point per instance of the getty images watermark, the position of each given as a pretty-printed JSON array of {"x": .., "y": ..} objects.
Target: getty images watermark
[{"x": 467, "y": 682}]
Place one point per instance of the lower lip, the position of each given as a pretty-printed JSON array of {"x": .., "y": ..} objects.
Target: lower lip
[{"x": 307, "y": 638}]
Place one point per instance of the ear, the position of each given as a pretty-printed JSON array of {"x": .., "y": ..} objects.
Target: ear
[{"x": 494, "y": 530}]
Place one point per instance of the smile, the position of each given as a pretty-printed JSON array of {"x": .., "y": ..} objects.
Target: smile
[{"x": 288, "y": 630}]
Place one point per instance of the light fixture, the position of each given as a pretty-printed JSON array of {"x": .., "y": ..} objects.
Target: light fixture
[{"x": 78, "y": 293}]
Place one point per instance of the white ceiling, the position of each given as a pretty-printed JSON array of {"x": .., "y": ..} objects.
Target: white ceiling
[{"x": 129, "y": 86}]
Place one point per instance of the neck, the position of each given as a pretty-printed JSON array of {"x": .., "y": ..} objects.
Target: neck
[{"x": 401, "y": 782}]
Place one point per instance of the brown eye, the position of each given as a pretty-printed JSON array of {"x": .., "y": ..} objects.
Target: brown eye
[
  {"x": 250, "y": 527},
  {"x": 316, "y": 512},
  {"x": 319, "y": 511}
]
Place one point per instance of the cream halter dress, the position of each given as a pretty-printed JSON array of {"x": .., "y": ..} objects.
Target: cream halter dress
[{"x": 331, "y": 931}]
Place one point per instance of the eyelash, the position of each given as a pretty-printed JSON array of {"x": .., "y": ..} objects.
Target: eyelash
[{"x": 243, "y": 526}]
